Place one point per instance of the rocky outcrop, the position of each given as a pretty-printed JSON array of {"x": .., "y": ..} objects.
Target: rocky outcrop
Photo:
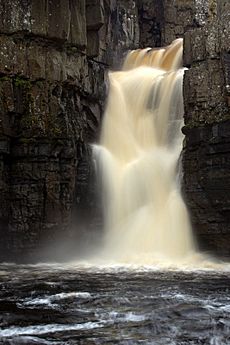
[
  {"x": 162, "y": 21},
  {"x": 207, "y": 127},
  {"x": 53, "y": 61},
  {"x": 204, "y": 24},
  {"x": 54, "y": 56}
]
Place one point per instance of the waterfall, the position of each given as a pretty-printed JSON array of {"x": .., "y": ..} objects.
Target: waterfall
[{"x": 145, "y": 217}]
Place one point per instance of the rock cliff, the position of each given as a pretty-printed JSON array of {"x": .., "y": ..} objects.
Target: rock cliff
[
  {"x": 207, "y": 127},
  {"x": 53, "y": 61},
  {"x": 54, "y": 57},
  {"x": 204, "y": 24}
]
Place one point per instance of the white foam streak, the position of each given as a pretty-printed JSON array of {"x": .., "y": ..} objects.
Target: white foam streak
[
  {"x": 46, "y": 329},
  {"x": 52, "y": 300}
]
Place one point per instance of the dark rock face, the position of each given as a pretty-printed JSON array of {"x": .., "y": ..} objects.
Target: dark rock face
[
  {"x": 207, "y": 181},
  {"x": 162, "y": 21},
  {"x": 207, "y": 128},
  {"x": 53, "y": 59}
]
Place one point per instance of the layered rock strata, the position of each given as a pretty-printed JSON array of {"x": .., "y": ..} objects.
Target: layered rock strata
[
  {"x": 53, "y": 59},
  {"x": 207, "y": 128},
  {"x": 161, "y": 21}
]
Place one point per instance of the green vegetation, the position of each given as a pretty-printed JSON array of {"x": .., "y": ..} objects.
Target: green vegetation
[
  {"x": 5, "y": 78},
  {"x": 21, "y": 82}
]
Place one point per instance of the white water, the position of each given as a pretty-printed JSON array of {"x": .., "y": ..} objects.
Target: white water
[{"x": 146, "y": 219}]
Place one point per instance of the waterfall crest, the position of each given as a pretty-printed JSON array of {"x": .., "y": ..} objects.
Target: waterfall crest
[{"x": 145, "y": 217}]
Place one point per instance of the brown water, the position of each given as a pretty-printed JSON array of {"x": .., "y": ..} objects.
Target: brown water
[
  {"x": 146, "y": 220},
  {"x": 145, "y": 285}
]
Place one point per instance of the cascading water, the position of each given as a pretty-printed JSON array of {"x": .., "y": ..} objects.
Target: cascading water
[
  {"x": 144, "y": 214},
  {"x": 117, "y": 296}
]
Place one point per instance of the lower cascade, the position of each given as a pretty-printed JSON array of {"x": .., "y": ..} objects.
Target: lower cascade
[{"x": 145, "y": 217}]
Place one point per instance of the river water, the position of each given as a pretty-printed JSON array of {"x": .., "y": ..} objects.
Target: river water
[
  {"x": 82, "y": 304},
  {"x": 146, "y": 222}
]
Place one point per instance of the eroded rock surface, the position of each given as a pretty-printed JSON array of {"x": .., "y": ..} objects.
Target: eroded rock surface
[
  {"x": 207, "y": 127},
  {"x": 54, "y": 56}
]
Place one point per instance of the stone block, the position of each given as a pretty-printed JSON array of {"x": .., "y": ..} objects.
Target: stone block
[
  {"x": 7, "y": 95},
  {"x": 187, "y": 56},
  {"x": 58, "y": 19},
  {"x": 226, "y": 69},
  {"x": 216, "y": 83},
  {"x": 8, "y": 56},
  {"x": 212, "y": 41},
  {"x": 170, "y": 13},
  {"x": 225, "y": 27},
  {"x": 15, "y": 16},
  {"x": 93, "y": 43},
  {"x": 201, "y": 11},
  {"x": 207, "y": 180},
  {"x": 201, "y": 83},
  {"x": 39, "y": 17},
  {"x": 194, "y": 46},
  {"x": 78, "y": 23},
  {"x": 55, "y": 65},
  {"x": 169, "y": 34},
  {"x": 184, "y": 17},
  {"x": 198, "y": 45},
  {"x": 94, "y": 14},
  {"x": 13, "y": 56},
  {"x": 75, "y": 67},
  {"x": 36, "y": 59}
]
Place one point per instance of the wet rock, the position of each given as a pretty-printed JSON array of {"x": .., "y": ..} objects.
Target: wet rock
[
  {"x": 58, "y": 20},
  {"x": 207, "y": 119},
  {"x": 94, "y": 14},
  {"x": 93, "y": 46},
  {"x": 58, "y": 28},
  {"x": 52, "y": 97},
  {"x": 207, "y": 181},
  {"x": 54, "y": 56},
  {"x": 39, "y": 18},
  {"x": 77, "y": 34}
]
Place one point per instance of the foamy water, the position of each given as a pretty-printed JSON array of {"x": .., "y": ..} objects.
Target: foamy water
[
  {"x": 109, "y": 304},
  {"x": 146, "y": 221},
  {"x": 147, "y": 284}
]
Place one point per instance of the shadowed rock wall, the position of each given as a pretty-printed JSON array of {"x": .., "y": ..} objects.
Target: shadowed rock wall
[
  {"x": 207, "y": 127},
  {"x": 162, "y": 21},
  {"x": 53, "y": 59},
  {"x": 204, "y": 24}
]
